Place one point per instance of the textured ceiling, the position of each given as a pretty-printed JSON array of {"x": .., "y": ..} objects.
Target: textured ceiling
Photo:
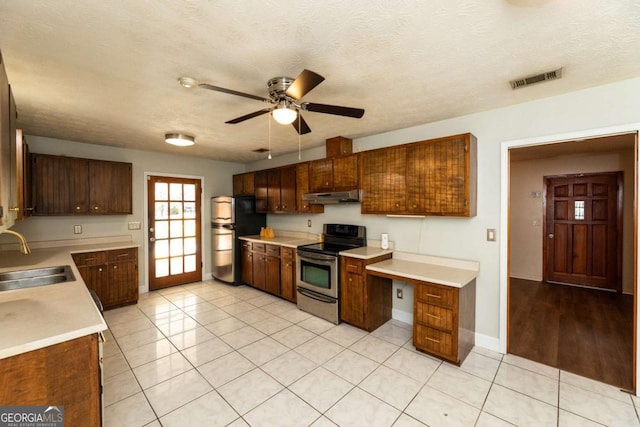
[{"x": 105, "y": 72}]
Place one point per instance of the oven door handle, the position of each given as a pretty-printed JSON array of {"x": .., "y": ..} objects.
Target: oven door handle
[
  {"x": 326, "y": 260},
  {"x": 316, "y": 296}
]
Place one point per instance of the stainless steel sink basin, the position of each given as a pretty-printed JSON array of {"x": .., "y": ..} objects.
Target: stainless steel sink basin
[{"x": 36, "y": 277}]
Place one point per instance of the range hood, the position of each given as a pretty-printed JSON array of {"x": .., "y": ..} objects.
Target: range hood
[{"x": 332, "y": 197}]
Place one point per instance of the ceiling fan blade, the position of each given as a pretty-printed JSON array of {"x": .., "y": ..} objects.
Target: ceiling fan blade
[
  {"x": 303, "y": 84},
  {"x": 234, "y": 92},
  {"x": 303, "y": 125},
  {"x": 248, "y": 116},
  {"x": 334, "y": 109}
]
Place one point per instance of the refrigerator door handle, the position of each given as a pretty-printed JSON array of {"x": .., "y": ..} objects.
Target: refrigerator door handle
[{"x": 229, "y": 226}]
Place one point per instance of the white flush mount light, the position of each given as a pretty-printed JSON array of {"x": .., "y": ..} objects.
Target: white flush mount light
[
  {"x": 284, "y": 115},
  {"x": 187, "y": 82},
  {"x": 179, "y": 139}
]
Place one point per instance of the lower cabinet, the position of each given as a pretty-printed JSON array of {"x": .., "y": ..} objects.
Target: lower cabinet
[
  {"x": 270, "y": 268},
  {"x": 65, "y": 374},
  {"x": 113, "y": 275},
  {"x": 444, "y": 320},
  {"x": 365, "y": 301}
]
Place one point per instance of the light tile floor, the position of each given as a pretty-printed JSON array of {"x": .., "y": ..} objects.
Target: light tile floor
[{"x": 208, "y": 354}]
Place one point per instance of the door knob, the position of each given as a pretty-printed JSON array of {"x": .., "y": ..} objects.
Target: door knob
[
  {"x": 152, "y": 239},
  {"x": 551, "y": 235}
]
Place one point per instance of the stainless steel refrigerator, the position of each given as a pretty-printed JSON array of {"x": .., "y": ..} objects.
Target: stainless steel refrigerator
[{"x": 231, "y": 218}]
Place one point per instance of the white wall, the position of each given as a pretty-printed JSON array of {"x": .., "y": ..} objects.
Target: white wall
[
  {"x": 527, "y": 239},
  {"x": 464, "y": 238},
  {"x": 217, "y": 180}
]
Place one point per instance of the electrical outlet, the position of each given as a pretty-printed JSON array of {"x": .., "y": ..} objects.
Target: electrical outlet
[
  {"x": 399, "y": 293},
  {"x": 77, "y": 229},
  {"x": 309, "y": 223},
  {"x": 134, "y": 225}
]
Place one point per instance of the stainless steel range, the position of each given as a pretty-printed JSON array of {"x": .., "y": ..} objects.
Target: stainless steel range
[{"x": 318, "y": 269}]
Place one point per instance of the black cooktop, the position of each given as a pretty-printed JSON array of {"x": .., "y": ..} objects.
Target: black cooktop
[{"x": 337, "y": 238}]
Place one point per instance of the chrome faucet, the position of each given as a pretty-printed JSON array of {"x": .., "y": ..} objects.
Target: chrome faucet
[{"x": 24, "y": 247}]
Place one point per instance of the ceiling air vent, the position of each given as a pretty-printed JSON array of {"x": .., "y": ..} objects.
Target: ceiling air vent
[
  {"x": 260, "y": 150},
  {"x": 538, "y": 78}
]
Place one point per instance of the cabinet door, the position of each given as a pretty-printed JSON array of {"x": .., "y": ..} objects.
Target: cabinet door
[
  {"x": 261, "y": 185},
  {"x": 259, "y": 266},
  {"x": 352, "y": 297},
  {"x": 110, "y": 187},
  {"x": 60, "y": 185},
  {"x": 6, "y": 219},
  {"x": 273, "y": 275},
  {"x": 96, "y": 278},
  {"x": 247, "y": 263},
  {"x": 123, "y": 283},
  {"x": 288, "y": 189},
  {"x": 287, "y": 274},
  {"x": 237, "y": 185},
  {"x": 273, "y": 190},
  {"x": 321, "y": 175},
  {"x": 437, "y": 177},
  {"x": 383, "y": 180},
  {"x": 345, "y": 173},
  {"x": 248, "y": 184},
  {"x": 302, "y": 187}
]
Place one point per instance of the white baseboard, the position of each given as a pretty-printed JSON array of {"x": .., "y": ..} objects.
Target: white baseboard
[
  {"x": 490, "y": 343},
  {"x": 402, "y": 316}
]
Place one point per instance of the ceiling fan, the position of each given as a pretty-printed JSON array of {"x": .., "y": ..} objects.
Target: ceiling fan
[{"x": 284, "y": 96}]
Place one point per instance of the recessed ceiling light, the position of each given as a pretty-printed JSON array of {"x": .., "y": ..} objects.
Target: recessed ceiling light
[
  {"x": 188, "y": 82},
  {"x": 179, "y": 139}
]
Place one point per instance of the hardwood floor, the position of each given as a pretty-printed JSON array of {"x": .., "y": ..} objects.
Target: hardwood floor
[{"x": 584, "y": 331}]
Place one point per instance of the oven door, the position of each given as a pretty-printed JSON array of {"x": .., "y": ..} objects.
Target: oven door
[{"x": 318, "y": 273}]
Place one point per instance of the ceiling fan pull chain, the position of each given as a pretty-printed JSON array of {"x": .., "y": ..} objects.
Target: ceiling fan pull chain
[
  {"x": 269, "y": 118},
  {"x": 299, "y": 136}
]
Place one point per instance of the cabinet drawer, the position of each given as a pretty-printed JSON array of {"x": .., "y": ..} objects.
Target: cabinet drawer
[
  {"x": 286, "y": 253},
  {"x": 273, "y": 250},
  {"x": 259, "y": 247},
  {"x": 435, "y": 316},
  {"x": 123, "y": 254},
  {"x": 433, "y": 340},
  {"x": 90, "y": 258},
  {"x": 247, "y": 245},
  {"x": 353, "y": 265},
  {"x": 439, "y": 295}
]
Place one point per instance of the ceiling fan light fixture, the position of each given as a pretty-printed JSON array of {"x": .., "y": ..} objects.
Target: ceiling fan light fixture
[
  {"x": 284, "y": 115},
  {"x": 179, "y": 139},
  {"x": 187, "y": 82}
]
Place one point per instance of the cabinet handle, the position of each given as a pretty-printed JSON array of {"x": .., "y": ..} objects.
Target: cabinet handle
[
  {"x": 433, "y": 315},
  {"x": 284, "y": 207},
  {"x": 15, "y": 209},
  {"x": 115, "y": 267},
  {"x": 326, "y": 183},
  {"x": 122, "y": 255},
  {"x": 433, "y": 296},
  {"x": 90, "y": 259},
  {"x": 100, "y": 269},
  {"x": 397, "y": 205},
  {"x": 95, "y": 208},
  {"x": 77, "y": 208},
  {"x": 432, "y": 340}
]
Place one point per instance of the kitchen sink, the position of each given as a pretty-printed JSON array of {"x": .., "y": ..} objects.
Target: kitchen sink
[{"x": 36, "y": 277}]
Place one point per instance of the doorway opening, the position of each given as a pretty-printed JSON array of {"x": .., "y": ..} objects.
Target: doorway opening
[
  {"x": 581, "y": 330},
  {"x": 174, "y": 231}
]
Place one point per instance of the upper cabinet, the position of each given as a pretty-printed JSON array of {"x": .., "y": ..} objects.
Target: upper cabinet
[
  {"x": 434, "y": 177},
  {"x": 72, "y": 186},
  {"x": 334, "y": 174},
  {"x": 6, "y": 123},
  {"x": 302, "y": 188},
  {"x": 244, "y": 184},
  {"x": 275, "y": 190}
]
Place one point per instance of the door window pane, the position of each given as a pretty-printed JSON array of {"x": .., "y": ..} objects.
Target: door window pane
[
  {"x": 190, "y": 228},
  {"x": 162, "y": 248},
  {"x": 176, "y": 247},
  {"x": 578, "y": 212},
  {"x": 176, "y": 228},
  {"x": 189, "y": 210},
  {"x": 189, "y": 192},
  {"x": 162, "y": 267},
  {"x": 190, "y": 245},
  {"x": 175, "y": 191},
  {"x": 176, "y": 265},
  {"x": 162, "y": 229},
  {"x": 162, "y": 210},
  {"x": 176, "y": 210},
  {"x": 189, "y": 263},
  {"x": 162, "y": 191}
]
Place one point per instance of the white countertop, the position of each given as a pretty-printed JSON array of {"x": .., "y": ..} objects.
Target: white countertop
[
  {"x": 366, "y": 252},
  {"x": 442, "y": 271},
  {"x": 287, "y": 241},
  {"x": 38, "y": 317}
]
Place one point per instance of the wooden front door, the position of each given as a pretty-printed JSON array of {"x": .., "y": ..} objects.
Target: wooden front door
[
  {"x": 583, "y": 230},
  {"x": 175, "y": 255}
]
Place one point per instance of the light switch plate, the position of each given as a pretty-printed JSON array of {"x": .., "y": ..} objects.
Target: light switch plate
[
  {"x": 309, "y": 223},
  {"x": 77, "y": 229},
  {"x": 134, "y": 225},
  {"x": 491, "y": 234}
]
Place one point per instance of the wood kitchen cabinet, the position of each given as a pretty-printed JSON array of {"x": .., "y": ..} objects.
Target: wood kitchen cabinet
[
  {"x": 74, "y": 186},
  {"x": 7, "y": 122},
  {"x": 288, "y": 274},
  {"x": 275, "y": 190},
  {"x": 265, "y": 267},
  {"x": 302, "y": 188},
  {"x": 65, "y": 374},
  {"x": 365, "y": 301},
  {"x": 112, "y": 274},
  {"x": 434, "y": 177},
  {"x": 444, "y": 320},
  {"x": 246, "y": 263},
  {"x": 334, "y": 174},
  {"x": 244, "y": 184},
  {"x": 383, "y": 181}
]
